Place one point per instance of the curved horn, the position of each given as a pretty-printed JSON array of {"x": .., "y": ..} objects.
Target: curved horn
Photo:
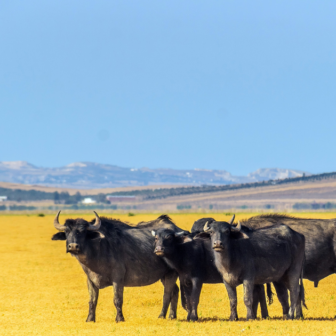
[
  {"x": 232, "y": 219},
  {"x": 57, "y": 225},
  {"x": 236, "y": 228},
  {"x": 206, "y": 227},
  {"x": 96, "y": 225},
  {"x": 181, "y": 233}
]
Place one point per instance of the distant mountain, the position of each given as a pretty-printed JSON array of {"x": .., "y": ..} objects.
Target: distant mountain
[
  {"x": 93, "y": 175},
  {"x": 265, "y": 174}
]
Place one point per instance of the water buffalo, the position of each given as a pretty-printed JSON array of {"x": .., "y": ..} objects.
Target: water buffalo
[
  {"x": 258, "y": 292},
  {"x": 320, "y": 247},
  {"x": 193, "y": 260},
  {"x": 271, "y": 254},
  {"x": 116, "y": 254}
]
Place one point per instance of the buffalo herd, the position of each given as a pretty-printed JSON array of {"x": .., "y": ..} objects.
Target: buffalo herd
[{"x": 273, "y": 248}]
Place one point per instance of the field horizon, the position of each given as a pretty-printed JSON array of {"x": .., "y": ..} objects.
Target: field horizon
[{"x": 279, "y": 197}]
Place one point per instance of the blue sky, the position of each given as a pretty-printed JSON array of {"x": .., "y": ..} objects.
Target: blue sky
[{"x": 233, "y": 85}]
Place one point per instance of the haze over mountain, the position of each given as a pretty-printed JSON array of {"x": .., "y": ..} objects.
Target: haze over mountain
[{"x": 94, "y": 175}]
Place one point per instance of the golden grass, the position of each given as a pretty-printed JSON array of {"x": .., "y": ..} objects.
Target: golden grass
[{"x": 43, "y": 292}]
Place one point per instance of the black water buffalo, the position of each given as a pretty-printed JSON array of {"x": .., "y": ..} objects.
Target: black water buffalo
[
  {"x": 272, "y": 254},
  {"x": 113, "y": 253},
  {"x": 193, "y": 260},
  {"x": 258, "y": 292},
  {"x": 320, "y": 236},
  {"x": 320, "y": 247}
]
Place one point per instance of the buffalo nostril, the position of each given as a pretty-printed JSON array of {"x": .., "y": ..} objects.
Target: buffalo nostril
[{"x": 73, "y": 247}]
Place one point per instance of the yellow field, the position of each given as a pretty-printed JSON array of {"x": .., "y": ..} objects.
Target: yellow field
[{"x": 43, "y": 292}]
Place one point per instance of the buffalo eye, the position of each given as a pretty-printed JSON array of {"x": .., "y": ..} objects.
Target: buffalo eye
[{"x": 170, "y": 237}]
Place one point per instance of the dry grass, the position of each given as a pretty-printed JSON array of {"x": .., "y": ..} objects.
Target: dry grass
[{"x": 43, "y": 292}]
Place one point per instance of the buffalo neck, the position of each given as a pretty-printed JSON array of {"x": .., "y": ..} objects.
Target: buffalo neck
[
  {"x": 175, "y": 259},
  {"x": 90, "y": 255},
  {"x": 225, "y": 257}
]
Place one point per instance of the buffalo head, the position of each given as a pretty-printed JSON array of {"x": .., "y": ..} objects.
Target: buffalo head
[
  {"x": 222, "y": 232},
  {"x": 76, "y": 232},
  {"x": 166, "y": 240}
]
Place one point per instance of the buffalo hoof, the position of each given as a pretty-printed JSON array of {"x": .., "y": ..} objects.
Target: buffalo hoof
[
  {"x": 120, "y": 319},
  {"x": 172, "y": 316},
  {"x": 193, "y": 317},
  {"x": 233, "y": 318},
  {"x": 161, "y": 316},
  {"x": 91, "y": 318}
]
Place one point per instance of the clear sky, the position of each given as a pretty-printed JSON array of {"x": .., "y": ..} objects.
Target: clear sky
[{"x": 233, "y": 85}]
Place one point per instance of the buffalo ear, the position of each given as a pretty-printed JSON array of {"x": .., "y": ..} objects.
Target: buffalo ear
[
  {"x": 95, "y": 235},
  {"x": 182, "y": 237},
  {"x": 59, "y": 236},
  {"x": 239, "y": 235},
  {"x": 202, "y": 235}
]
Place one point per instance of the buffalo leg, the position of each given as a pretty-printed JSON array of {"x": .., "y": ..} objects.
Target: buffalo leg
[
  {"x": 93, "y": 292},
  {"x": 170, "y": 295},
  {"x": 248, "y": 298},
  {"x": 232, "y": 292},
  {"x": 118, "y": 290},
  {"x": 183, "y": 297},
  {"x": 259, "y": 297},
  {"x": 194, "y": 299},
  {"x": 173, "y": 303},
  {"x": 294, "y": 295},
  {"x": 298, "y": 312},
  {"x": 187, "y": 289},
  {"x": 282, "y": 294},
  {"x": 255, "y": 304},
  {"x": 263, "y": 304}
]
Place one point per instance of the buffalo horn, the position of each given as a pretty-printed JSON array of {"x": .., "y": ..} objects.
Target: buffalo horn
[
  {"x": 181, "y": 233},
  {"x": 236, "y": 228},
  {"x": 57, "y": 225},
  {"x": 206, "y": 227},
  {"x": 96, "y": 225},
  {"x": 232, "y": 219}
]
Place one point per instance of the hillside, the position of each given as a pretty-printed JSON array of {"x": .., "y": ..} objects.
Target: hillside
[
  {"x": 88, "y": 175},
  {"x": 301, "y": 195}
]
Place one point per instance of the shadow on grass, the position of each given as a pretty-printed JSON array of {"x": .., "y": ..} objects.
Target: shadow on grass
[{"x": 274, "y": 318}]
